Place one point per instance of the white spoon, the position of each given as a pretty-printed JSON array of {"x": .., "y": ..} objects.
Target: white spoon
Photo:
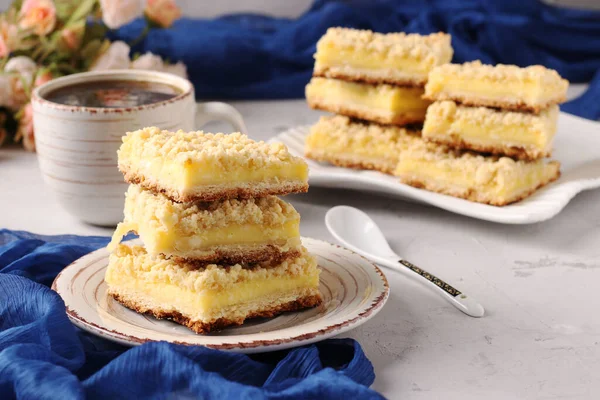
[{"x": 358, "y": 232}]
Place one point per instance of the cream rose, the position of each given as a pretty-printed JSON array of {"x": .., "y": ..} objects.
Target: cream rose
[
  {"x": 6, "y": 92},
  {"x": 116, "y": 13},
  {"x": 162, "y": 12},
  {"x": 148, "y": 61},
  {"x": 38, "y": 15},
  {"x": 115, "y": 57},
  {"x": 20, "y": 71},
  {"x": 178, "y": 69}
]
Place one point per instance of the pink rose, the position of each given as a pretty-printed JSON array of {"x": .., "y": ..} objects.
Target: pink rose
[
  {"x": 115, "y": 57},
  {"x": 71, "y": 38},
  {"x": 8, "y": 34},
  {"x": 116, "y": 13},
  {"x": 38, "y": 15},
  {"x": 162, "y": 12},
  {"x": 25, "y": 129}
]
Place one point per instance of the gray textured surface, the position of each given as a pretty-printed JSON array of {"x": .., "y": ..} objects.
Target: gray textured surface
[{"x": 538, "y": 283}]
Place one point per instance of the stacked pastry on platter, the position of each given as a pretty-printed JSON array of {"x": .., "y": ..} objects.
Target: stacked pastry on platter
[
  {"x": 218, "y": 245},
  {"x": 375, "y": 83},
  {"x": 488, "y": 132},
  {"x": 487, "y": 129}
]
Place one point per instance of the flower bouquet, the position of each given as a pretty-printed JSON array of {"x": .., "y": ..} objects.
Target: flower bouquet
[{"x": 44, "y": 39}]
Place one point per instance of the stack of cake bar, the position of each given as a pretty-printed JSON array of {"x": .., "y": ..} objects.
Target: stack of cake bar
[
  {"x": 488, "y": 132},
  {"x": 218, "y": 245},
  {"x": 375, "y": 83}
]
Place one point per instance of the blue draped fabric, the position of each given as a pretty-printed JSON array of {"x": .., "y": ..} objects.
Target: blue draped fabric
[
  {"x": 43, "y": 356},
  {"x": 257, "y": 57}
]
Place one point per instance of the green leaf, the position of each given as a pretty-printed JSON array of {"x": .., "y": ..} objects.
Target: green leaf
[
  {"x": 84, "y": 9},
  {"x": 94, "y": 31}
]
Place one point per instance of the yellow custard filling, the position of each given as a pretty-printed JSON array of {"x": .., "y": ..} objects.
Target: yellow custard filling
[
  {"x": 180, "y": 228},
  {"x": 528, "y": 92},
  {"x": 171, "y": 243},
  {"x": 332, "y": 56},
  {"x": 190, "y": 174},
  {"x": 202, "y": 291},
  {"x": 481, "y": 125},
  {"x": 390, "y": 98},
  {"x": 389, "y": 56}
]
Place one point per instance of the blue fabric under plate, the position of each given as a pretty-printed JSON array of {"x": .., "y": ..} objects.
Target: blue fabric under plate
[
  {"x": 43, "y": 356},
  {"x": 257, "y": 57}
]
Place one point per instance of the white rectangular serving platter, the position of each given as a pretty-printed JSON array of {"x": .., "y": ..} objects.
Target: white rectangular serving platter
[{"x": 577, "y": 147}]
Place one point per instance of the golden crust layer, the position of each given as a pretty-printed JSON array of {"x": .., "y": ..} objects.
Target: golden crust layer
[
  {"x": 217, "y": 192},
  {"x": 206, "y": 327},
  {"x": 243, "y": 255},
  {"x": 446, "y": 123}
]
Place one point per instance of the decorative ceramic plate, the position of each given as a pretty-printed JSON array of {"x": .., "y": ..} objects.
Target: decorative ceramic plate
[
  {"x": 577, "y": 147},
  {"x": 353, "y": 291}
]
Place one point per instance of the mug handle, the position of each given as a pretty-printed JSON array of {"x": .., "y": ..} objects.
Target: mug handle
[{"x": 218, "y": 111}]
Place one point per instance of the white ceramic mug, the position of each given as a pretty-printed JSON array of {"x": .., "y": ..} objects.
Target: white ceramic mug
[{"x": 77, "y": 146}]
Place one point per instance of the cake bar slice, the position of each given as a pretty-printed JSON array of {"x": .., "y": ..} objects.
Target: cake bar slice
[
  {"x": 517, "y": 134},
  {"x": 211, "y": 297},
  {"x": 395, "y": 58},
  {"x": 486, "y": 179},
  {"x": 385, "y": 104},
  {"x": 504, "y": 86},
  {"x": 198, "y": 166},
  {"x": 228, "y": 231},
  {"x": 348, "y": 143}
]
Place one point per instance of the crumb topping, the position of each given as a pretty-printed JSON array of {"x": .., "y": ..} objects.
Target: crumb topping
[
  {"x": 188, "y": 147},
  {"x": 501, "y": 73},
  {"x": 451, "y": 111},
  {"x": 162, "y": 214},
  {"x": 134, "y": 262},
  {"x": 346, "y": 132},
  {"x": 434, "y": 47}
]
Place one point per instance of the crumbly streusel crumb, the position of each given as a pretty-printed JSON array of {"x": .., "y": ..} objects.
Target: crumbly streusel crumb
[
  {"x": 183, "y": 147},
  {"x": 501, "y": 73},
  {"x": 164, "y": 214},
  {"x": 132, "y": 260},
  {"x": 489, "y": 116},
  {"x": 346, "y": 130},
  {"x": 485, "y": 167},
  {"x": 436, "y": 45}
]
